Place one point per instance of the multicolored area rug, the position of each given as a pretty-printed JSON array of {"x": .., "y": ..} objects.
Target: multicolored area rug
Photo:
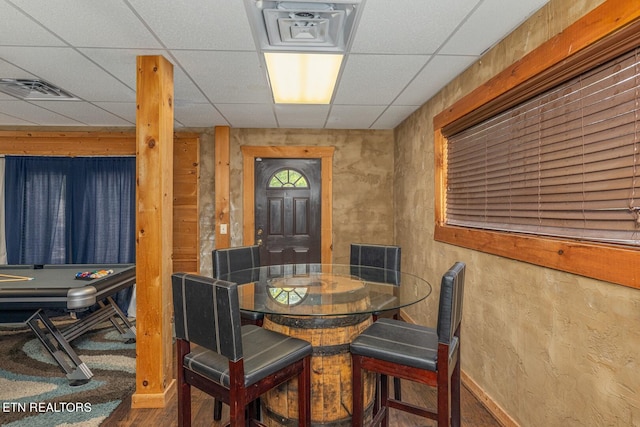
[{"x": 34, "y": 391}]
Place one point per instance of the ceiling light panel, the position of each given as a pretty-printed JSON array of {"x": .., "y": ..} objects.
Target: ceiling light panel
[{"x": 302, "y": 78}]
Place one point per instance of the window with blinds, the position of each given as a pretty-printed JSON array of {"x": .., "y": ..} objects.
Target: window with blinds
[{"x": 565, "y": 163}]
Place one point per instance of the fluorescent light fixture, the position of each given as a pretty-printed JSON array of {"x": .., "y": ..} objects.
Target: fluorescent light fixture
[{"x": 302, "y": 78}]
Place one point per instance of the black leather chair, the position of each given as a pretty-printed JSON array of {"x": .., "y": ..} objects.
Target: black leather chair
[
  {"x": 385, "y": 261},
  {"x": 416, "y": 353},
  {"x": 234, "y": 261},
  {"x": 233, "y": 264},
  {"x": 235, "y": 364}
]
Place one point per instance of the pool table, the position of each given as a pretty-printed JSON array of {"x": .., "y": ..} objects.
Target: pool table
[{"x": 27, "y": 292}]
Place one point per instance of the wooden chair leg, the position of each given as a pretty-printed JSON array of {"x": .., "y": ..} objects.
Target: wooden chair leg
[
  {"x": 397, "y": 392},
  {"x": 252, "y": 412},
  {"x": 357, "y": 409},
  {"x": 184, "y": 405},
  {"x": 217, "y": 410},
  {"x": 444, "y": 404},
  {"x": 376, "y": 394},
  {"x": 384, "y": 399},
  {"x": 237, "y": 415},
  {"x": 456, "y": 386},
  {"x": 184, "y": 389},
  {"x": 304, "y": 394}
]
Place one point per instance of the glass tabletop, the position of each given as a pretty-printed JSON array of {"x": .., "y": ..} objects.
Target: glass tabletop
[{"x": 326, "y": 289}]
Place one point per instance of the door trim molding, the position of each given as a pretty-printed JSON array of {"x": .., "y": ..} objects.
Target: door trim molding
[{"x": 325, "y": 154}]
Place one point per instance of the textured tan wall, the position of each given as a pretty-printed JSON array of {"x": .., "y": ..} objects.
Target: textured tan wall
[
  {"x": 362, "y": 184},
  {"x": 206, "y": 202},
  {"x": 550, "y": 348}
]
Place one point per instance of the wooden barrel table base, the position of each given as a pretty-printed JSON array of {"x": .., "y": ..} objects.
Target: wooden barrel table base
[{"x": 331, "y": 392}]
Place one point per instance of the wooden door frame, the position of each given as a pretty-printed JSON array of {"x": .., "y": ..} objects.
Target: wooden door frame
[{"x": 325, "y": 154}]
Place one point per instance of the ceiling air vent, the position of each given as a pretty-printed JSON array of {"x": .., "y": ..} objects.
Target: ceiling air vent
[
  {"x": 308, "y": 25},
  {"x": 295, "y": 24},
  {"x": 34, "y": 90}
]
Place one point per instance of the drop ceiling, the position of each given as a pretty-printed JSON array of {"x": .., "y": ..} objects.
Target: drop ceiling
[{"x": 401, "y": 53}]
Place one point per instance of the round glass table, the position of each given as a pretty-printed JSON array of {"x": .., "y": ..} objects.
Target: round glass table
[{"x": 327, "y": 305}]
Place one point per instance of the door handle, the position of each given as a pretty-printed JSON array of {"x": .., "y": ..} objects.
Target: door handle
[{"x": 259, "y": 233}]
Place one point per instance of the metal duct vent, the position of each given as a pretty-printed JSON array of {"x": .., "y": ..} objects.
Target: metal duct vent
[
  {"x": 34, "y": 90},
  {"x": 308, "y": 25}
]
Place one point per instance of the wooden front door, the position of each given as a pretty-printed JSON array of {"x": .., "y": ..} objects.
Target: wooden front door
[{"x": 287, "y": 210}]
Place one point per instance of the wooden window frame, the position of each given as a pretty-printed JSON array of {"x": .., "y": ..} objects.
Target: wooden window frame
[{"x": 602, "y": 34}]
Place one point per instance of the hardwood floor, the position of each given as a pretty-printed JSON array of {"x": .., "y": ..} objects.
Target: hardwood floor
[{"x": 473, "y": 413}]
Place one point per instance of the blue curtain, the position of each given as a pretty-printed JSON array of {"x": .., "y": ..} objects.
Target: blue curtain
[
  {"x": 102, "y": 210},
  {"x": 36, "y": 217},
  {"x": 62, "y": 210}
]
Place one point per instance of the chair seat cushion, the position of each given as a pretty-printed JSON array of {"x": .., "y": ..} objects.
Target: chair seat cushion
[
  {"x": 400, "y": 342},
  {"x": 251, "y": 315},
  {"x": 265, "y": 352}
]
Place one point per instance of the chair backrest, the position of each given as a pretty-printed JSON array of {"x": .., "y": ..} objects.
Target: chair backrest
[
  {"x": 450, "y": 307},
  {"x": 207, "y": 313},
  {"x": 386, "y": 258},
  {"x": 230, "y": 260}
]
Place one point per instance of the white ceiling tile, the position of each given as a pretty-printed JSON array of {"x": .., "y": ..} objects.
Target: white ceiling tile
[
  {"x": 36, "y": 114},
  {"x": 184, "y": 89},
  {"x": 20, "y": 30},
  {"x": 484, "y": 28},
  {"x": 376, "y": 79},
  {"x": 124, "y": 110},
  {"x": 227, "y": 77},
  {"x": 6, "y": 120},
  {"x": 393, "y": 116},
  {"x": 84, "y": 112},
  {"x": 10, "y": 71},
  {"x": 121, "y": 63},
  {"x": 91, "y": 23},
  {"x": 353, "y": 117},
  {"x": 198, "y": 115},
  {"x": 438, "y": 72},
  {"x": 87, "y": 81},
  {"x": 198, "y": 24},
  {"x": 301, "y": 116},
  {"x": 408, "y": 26},
  {"x": 248, "y": 115}
]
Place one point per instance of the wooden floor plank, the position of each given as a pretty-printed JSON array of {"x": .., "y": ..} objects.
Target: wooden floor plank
[{"x": 474, "y": 413}]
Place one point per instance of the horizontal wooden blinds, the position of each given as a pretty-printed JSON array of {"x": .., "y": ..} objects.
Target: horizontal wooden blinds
[{"x": 565, "y": 163}]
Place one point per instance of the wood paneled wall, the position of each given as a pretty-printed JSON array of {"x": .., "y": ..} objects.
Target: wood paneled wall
[{"x": 186, "y": 172}]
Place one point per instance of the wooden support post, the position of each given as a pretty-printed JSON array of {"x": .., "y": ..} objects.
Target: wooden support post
[
  {"x": 221, "y": 183},
  {"x": 154, "y": 226}
]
